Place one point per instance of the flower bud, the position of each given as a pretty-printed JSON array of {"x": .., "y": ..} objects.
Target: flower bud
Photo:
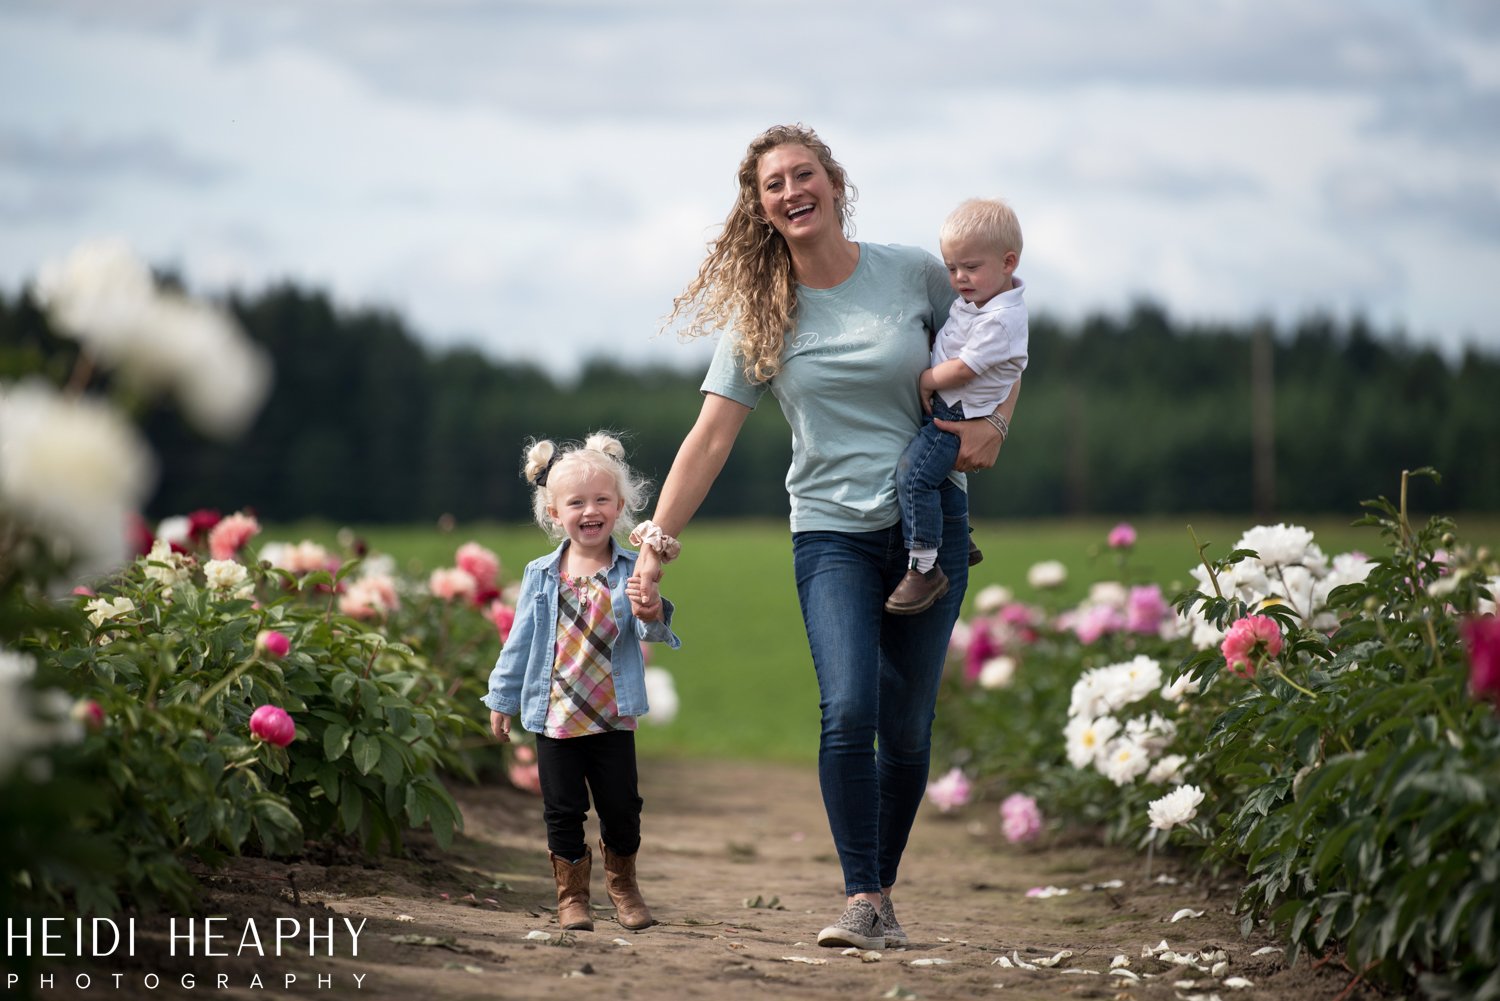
[
  {"x": 274, "y": 643},
  {"x": 273, "y": 725}
]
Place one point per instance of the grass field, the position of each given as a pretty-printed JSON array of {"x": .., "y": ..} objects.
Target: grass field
[{"x": 744, "y": 674}]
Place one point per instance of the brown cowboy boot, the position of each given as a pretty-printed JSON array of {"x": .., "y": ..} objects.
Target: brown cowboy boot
[
  {"x": 619, "y": 880},
  {"x": 573, "y": 892}
]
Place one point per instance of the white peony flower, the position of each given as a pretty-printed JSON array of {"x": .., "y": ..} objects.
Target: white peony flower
[
  {"x": 72, "y": 468},
  {"x": 1087, "y": 738},
  {"x": 1176, "y": 807},
  {"x": 174, "y": 569},
  {"x": 1167, "y": 770},
  {"x": 219, "y": 376},
  {"x": 991, "y": 599},
  {"x": 101, "y": 295},
  {"x": 1124, "y": 761},
  {"x": 1047, "y": 574},
  {"x": 1178, "y": 688},
  {"x": 1110, "y": 593},
  {"x": 225, "y": 575},
  {"x": 997, "y": 672},
  {"x": 1281, "y": 545},
  {"x": 22, "y": 730},
  {"x": 102, "y": 610},
  {"x": 661, "y": 695}
]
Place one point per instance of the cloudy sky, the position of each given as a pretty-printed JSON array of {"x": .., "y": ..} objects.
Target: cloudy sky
[{"x": 541, "y": 178}]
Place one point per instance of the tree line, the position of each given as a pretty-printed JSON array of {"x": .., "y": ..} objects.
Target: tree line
[{"x": 1119, "y": 415}]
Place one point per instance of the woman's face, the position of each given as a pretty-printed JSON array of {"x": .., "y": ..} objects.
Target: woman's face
[{"x": 796, "y": 196}]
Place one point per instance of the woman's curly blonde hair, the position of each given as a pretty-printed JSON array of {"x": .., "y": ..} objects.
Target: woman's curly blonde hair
[{"x": 746, "y": 283}]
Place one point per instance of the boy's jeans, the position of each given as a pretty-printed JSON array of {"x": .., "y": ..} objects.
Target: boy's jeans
[{"x": 924, "y": 467}]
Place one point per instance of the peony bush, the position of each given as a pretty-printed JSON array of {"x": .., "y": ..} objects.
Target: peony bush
[{"x": 1325, "y": 728}]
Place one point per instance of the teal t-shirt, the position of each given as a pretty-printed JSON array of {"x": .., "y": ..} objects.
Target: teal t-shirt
[{"x": 848, "y": 385}]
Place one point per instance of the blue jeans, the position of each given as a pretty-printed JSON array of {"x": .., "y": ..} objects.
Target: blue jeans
[
  {"x": 923, "y": 469},
  {"x": 878, "y": 678}
]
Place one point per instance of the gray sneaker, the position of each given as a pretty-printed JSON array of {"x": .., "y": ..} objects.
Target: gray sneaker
[
  {"x": 895, "y": 935},
  {"x": 859, "y": 927}
]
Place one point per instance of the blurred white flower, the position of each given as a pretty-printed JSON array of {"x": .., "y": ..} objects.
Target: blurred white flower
[
  {"x": 1047, "y": 574},
  {"x": 991, "y": 599},
  {"x": 1176, "y": 689},
  {"x": 997, "y": 672},
  {"x": 1168, "y": 769},
  {"x": 661, "y": 695},
  {"x": 105, "y": 297},
  {"x": 1176, "y": 807},
  {"x": 1108, "y": 592},
  {"x": 225, "y": 575},
  {"x": 177, "y": 528},
  {"x": 73, "y": 468},
  {"x": 101, "y": 295},
  {"x": 21, "y": 730},
  {"x": 1124, "y": 761}
]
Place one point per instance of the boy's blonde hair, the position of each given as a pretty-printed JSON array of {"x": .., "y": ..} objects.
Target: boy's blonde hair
[
  {"x": 989, "y": 220},
  {"x": 601, "y": 452}
]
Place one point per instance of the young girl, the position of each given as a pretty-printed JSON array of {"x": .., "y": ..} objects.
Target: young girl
[{"x": 572, "y": 668}]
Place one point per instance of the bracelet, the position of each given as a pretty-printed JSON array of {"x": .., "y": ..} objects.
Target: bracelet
[
  {"x": 649, "y": 534},
  {"x": 998, "y": 421}
]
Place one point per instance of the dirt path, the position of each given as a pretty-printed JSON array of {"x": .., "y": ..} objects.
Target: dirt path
[{"x": 719, "y": 837}]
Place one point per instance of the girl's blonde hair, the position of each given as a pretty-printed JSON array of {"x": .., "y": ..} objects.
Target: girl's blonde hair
[
  {"x": 746, "y": 282},
  {"x": 988, "y": 220},
  {"x": 602, "y": 452}
]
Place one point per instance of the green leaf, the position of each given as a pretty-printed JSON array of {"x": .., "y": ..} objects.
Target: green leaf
[
  {"x": 336, "y": 741},
  {"x": 366, "y": 749}
]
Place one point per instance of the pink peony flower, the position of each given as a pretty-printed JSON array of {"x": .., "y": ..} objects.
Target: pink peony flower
[
  {"x": 503, "y": 616},
  {"x": 523, "y": 771},
  {"x": 369, "y": 598},
  {"x": 450, "y": 583},
  {"x": 274, "y": 643},
  {"x": 1096, "y": 621},
  {"x": 949, "y": 792},
  {"x": 1254, "y": 635},
  {"x": 229, "y": 536},
  {"x": 1020, "y": 820},
  {"x": 1482, "y": 638},
  {"x": 1145, "y": 609},
  {"x": 983, "y": 647},
  {"x": 1122, "y": 536},
  {"x": 273, "y": 725},
  {"x": 481, "y": 564}
]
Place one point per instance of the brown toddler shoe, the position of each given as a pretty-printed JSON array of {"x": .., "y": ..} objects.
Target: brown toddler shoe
[{"x": 917, "y": 591}]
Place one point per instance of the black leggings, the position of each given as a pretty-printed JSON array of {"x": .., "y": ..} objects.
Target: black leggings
[{"x": 571, "y": 768}]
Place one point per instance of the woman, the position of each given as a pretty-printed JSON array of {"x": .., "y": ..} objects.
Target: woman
[{"x": 839, "y": 332}]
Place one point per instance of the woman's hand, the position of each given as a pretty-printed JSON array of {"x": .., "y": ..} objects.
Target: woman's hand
[
  {"x": 979, "y": 443},
  {"x": 500, "y": 726}
]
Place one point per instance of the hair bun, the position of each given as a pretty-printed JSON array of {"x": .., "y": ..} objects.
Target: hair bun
[
  {"x": 603, "y": 441},
  {"x": 538, "y": 458}
]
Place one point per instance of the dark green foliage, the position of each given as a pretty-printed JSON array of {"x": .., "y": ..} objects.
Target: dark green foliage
[{"x": 1125, "y": 415}]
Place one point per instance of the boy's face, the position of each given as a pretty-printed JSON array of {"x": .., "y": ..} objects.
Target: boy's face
[{"x": 977, "y": 271}]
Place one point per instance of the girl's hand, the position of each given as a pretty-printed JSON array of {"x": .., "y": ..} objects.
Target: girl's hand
[
  {"x": 645, "y": 599},
  {"x": 979, "y": 443},
  {"x": 500, "y": 726}
]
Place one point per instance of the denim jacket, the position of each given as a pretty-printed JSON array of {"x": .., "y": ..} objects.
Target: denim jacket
[{"x": 521, "y": 682}]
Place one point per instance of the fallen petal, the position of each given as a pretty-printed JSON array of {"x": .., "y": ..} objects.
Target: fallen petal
[
  {"x": 1266, "y": 950},
  {"x": 804, "y": 959},
  {"x": 1187, "y": 912},
  {"x": 929, "y": 962},
  {"x": 1003, "y": 961},
  {"x": 1219, "y": 969},
  {"x": 1120, "y": 971},
  {"x": 1238, "y": 983},
  {"x": 621, "y": 941},
  {"x": 537, "y": 936},
  {"x": 1057, "y": 958},
  {"x": 1118, "y": 961}
]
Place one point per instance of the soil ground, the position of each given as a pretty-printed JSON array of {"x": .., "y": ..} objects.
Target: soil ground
[{"x": 740, "y": 871}]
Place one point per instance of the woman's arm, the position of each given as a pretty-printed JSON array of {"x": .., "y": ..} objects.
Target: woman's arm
[
  {"x": 979, "y": 440},
  {"x": 698, "y": 463}
]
